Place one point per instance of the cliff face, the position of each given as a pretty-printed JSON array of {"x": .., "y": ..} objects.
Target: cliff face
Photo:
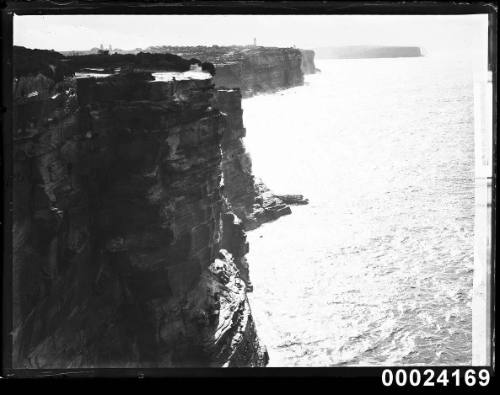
[
  {"x": 262, "y": 70},
  {"x": 126, "y": 252},
  {"x": 307, "y": 65},
  {"x": 236, "y": 163},
  {"x": 250, "y": 200},
  {"x": 242, "y": 72}
]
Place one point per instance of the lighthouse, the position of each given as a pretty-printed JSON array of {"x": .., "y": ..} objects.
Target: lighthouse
[{"x": 254, "y": 42}]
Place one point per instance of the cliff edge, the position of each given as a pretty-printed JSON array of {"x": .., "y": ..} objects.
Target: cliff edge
[{"x": 125, "y": 250}]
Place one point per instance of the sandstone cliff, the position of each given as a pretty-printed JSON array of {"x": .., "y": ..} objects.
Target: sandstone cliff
[
  {"x": 307, "y": 65},
  {"x": 261, "y": 70},
  {"x": 242, "y": 71},
  {"x": 251, "y": 201},
  {"x": 126, "y": 251}
]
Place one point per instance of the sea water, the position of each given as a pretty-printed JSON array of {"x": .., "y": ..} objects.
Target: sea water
[{"x": 377, "y": 269}]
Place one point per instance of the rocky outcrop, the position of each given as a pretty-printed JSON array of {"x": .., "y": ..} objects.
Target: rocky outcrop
[
  {"x": 307, "y": 65},
  {"x": 268, "y": 207},
  {"x": 125, "y": 252},
  {"x": 293, "y": 199}
]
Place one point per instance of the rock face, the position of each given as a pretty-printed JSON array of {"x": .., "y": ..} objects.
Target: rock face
[
  {"x": 261, "y": 70},
  {"x": 126, "y": 251},
  {"x": 251, "y": 201},
  {"x": 307, "y": 65}
]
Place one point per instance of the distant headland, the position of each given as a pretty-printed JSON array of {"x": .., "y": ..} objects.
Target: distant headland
[{"x": 367, "y": 51}]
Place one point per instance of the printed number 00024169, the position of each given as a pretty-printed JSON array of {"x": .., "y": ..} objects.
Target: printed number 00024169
[{"x": 430, "y": 378}]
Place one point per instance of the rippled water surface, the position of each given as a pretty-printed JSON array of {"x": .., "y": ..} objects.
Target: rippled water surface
[{"x": 377, "y": 269}]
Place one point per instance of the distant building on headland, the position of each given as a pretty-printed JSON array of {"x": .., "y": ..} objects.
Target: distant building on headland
[{"x": 102, "y": 51}]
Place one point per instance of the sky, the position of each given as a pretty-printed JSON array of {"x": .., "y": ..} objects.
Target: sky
[{"x": 82, "y": 32}]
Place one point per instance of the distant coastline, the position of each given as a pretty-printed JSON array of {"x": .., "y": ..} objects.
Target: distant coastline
[{"x": 367, "y": 51}]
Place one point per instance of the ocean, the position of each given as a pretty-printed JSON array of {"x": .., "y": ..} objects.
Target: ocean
[{"x": 377, "y": 269}]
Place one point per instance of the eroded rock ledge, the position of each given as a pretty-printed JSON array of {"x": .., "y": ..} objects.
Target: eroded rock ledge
[{"x": 127, "y": 252}]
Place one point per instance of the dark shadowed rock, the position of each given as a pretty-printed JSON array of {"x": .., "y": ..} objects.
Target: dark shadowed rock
[
  {"x": 31, "y": 62},
  {"x": 120, "y": 225},
  {"x": 208, "y": 67},
  {"x": 149, "y": 61}
]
